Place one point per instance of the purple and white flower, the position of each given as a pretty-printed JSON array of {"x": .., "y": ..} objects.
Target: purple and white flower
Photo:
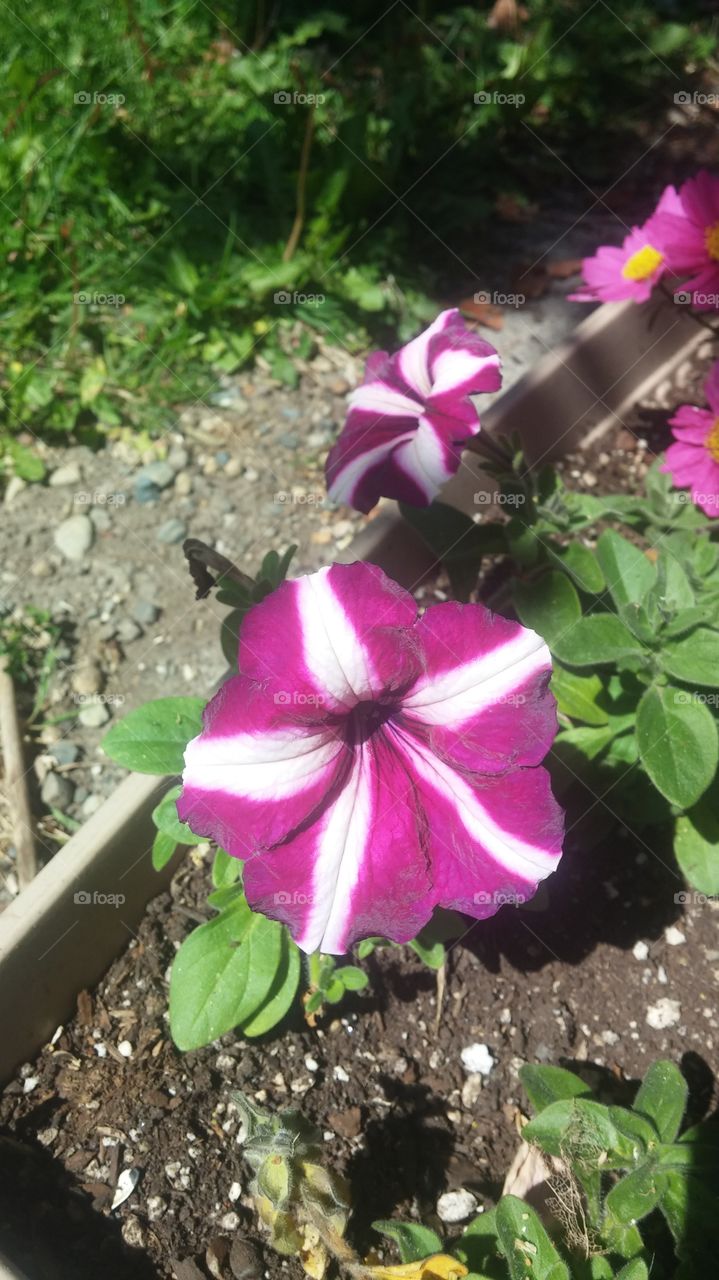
[
  {"x": 369, "y": 764},
  {"x": 409, "y": 420}
]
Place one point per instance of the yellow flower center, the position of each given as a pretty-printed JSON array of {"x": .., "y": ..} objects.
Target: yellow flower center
[
  {"x": 643, "y": 263},
  {"x": 712, "y": 441},
  {"x": 711, "y": 240}
]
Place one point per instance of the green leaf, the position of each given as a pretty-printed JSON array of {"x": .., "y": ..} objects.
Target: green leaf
[
  {"x": 166, "y": 820},
  {"x": 549, "y": 605},
  {"x": 629, "y": 574},
  {"x": 634, "y": 1196},
  {"x": 577, "y": 695},
  {"x": 596, "y": 639},
  {"x": 153, "y": 738},
  {"x": 545, "y": 1085},
  {"x": 225, "y": 869},
  {"x": 635, "y": 1269},
  {"x": 281, "y": 994},
  {"x": 352, "y": 977},
  {"x": 163, "y": 847},
  {"x": 456, "y": 540},
  {"x": 582, "y": 1130},
  {"x": 223, "y": 974},
  {"x": 92, "y": 380},
  {"x": 694, "y": 659},
  {"x": 413, "y": 1241},
  {"x": 696, "y": 843},
  {"x": 662, "y": 1098},
  {"x": 582, "y": 565},
  {"x": 525, "y": 1244},
  {"x": 26, "y": 464},
  {"x": 431, "y": 953},
  {"x": 678, "y": 744}
]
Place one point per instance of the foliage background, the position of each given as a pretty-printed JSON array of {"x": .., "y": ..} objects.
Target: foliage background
[{"x": 149, "y": 175}]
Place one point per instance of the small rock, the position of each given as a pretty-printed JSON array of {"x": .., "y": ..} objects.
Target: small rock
[
  {"x": 471, "y": 1090},
  {"x": 127, "y": 1180},
  {"x": 340, "y": 1074},
  {"x": 125, "y": 1048},
  {"x": 476, "y": 1058},
  {"x": 41, "y": 568},
  {"x": 93, "y": 715},
  {"x": 127, "y": 631},
  {"x": 172, "y": 531},
  {"x": 64, "y": 752},
  {"x": 222, "y": 458},
  {"x": 30, "y": 1083},
  {"x": 289, "y": 440},
  {"x": 86, "y": 678},
  {"x": 311, "y": 1063},
  {"x": 674, "y": 936},
  {"x": 74, "y": 537},
  {"x": 46, "y": 1137},
  {"x": 57, "y": 791},
  {"x": 229, "y": 1221},
  {"x": 67, "y": 474},
  {"x": 640, "y": 950},
  {"x": 234, "y": 1192},
  {"x": 90, "y": 805},
  {"x": 244, "y": 1260},
  {"x": 145, "y": 612},
  {"x": 15, "y": 485},
  {"x": 151, "y": 479},
  {"x": 456, "y": 1206},
  {"x": 133, "y": 1232},
  {"x": 178, "y": 458},
  {"x": 184, "y": 484},
  {"x": 156, "y": 1206},
  {"x": 101, "y": 519},
  {"x": 665, "y": 1013}
]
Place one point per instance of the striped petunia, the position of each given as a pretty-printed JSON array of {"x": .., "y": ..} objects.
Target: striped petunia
[
  {"x": 369, "y": 764},
  {"x": 409, "y": 420}
]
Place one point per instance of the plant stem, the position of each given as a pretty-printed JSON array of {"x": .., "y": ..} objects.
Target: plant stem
[
  {"x": 298, "y": 223},
  {"x": 314, "y": 961}
]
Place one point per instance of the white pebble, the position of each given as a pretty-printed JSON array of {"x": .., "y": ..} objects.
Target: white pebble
[
  {"x": 674, "y": 936},
  {"x": 340, "y": 1074},
  {"x": 234, "y": 1192},
  {"x": 125, "y": 1048},
  {"x": 229, "y": 1222},
  {"x": 456, "y": 1206},
  {"x": 311, "y": 1063},
  {"x": 126, "y": 1182},
  {"x": 665, "y": 1013},
  {"x": 476, "y": 1058},
  {"x": 156, "y": 1206},
  {"x": 640, "y": 950},
  {"x": 30, "y": 1083},
  {"x": 662, "y": 975},
  {"x": 100, "y": 1050}
]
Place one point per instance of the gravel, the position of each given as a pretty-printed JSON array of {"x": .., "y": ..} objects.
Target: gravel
[{"x": 74, "y": 537}]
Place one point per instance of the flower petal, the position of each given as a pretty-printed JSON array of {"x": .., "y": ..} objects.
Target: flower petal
[
  {"x": 249, "y": 787},
  {"x": 360, "y": 870},
  {"x": 483, "y": 699},
  {"x": 323, "y": 642}
]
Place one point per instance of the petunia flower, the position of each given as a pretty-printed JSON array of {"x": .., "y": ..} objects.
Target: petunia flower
[
  {"x": 629, "y": 272},
  {"x": 693, "y": 460},
  {"x": 369, "y": 764},
  {"x": 408, "y": 421},
  {"x": 690, "y": 238}
]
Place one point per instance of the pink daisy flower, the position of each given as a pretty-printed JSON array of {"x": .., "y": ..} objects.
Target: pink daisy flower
[
  {"x": 693, "y": 460},
  {"x": 630, "y": 272},
  {"x": 369, "y": 764},
  {"x": 408, "y": 421},
  {"x": 690, "y": 238}
]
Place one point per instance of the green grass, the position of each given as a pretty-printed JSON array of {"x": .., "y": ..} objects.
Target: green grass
[{"x": 150, "y": 182}]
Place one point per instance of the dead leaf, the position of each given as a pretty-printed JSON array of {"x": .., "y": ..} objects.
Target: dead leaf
[{"x": 483, "y": 313}]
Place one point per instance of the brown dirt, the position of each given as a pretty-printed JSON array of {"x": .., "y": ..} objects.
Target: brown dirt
[{"x": 562, "y": 980}]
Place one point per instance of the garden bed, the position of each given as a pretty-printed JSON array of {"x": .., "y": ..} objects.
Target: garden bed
[{"x": 384, "y": 1078}]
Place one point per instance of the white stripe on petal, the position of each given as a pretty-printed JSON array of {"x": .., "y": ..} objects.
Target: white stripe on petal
[
  {"x": 529, "y": 862},
  {"x": 386, "y": 401},
  {"x": 341, "y": 849},
  {"x": 412, "y": 359},
  {"x": 424, "y": 459},
  {"x": 351, "y": 474},
  {"x": 461, "y": 692},
  {"x": 270, "y": 766},
  {"x": 338, "y": 662},
  {"x": 455, "y": 367}
]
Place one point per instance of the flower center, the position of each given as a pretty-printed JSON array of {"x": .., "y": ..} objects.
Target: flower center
[
  {"x": 366, "y": 718},
  {"x": 643, "y": 263},
  {"x": 711, "y": 240},
  {"x": 712, "y": 440}
]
